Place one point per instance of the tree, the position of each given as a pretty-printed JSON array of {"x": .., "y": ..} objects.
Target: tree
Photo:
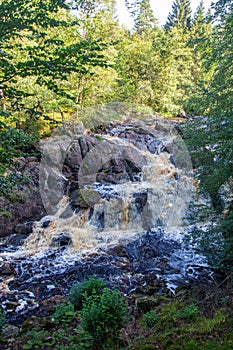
[
  {"x": 199, "y": 16},
  {"x": 180, "y": 16},
  {"x": 210, "y": 138},
  {"x": 143, "y": 16},
  {"x": 200, "y": 41},
  {"x": 36, "y": 48},
  {"x": 36, "y": 57}
]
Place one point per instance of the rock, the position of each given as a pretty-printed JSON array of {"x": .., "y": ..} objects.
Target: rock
[
  {"x": 23, "y": 205},
  {"x": 6, "y": 269},
  {"x": 45, "y": 223},
  {"x": 16, "y": 240},
  {"x": 91, "y": 197},
  {"x": 119, "y": 250},
  {"x": 62, "y": 240},
  {"x": 38, "y": 323},
  {"x": 146, "y": 303},
  {"x": 23, "y": 229},
  {"x": 77, "y": 200},
  {"x": 47, "y": 306}
]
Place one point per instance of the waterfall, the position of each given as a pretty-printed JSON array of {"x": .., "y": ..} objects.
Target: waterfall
[{"x": 116, "y": 198}]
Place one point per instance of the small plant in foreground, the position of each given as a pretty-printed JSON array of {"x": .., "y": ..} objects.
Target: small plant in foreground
[
  {"x": 150, "y": 319},
  {"x": 38, "y": 339},
  {"x": 104, "y": 315},
  {"x": 190, "y": 312},
  {"x": 64, "y": 313},
  {"x": 93, "y": 286}
]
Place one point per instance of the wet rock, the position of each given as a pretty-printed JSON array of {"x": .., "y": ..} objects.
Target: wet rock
[
  {"x": 62, "y": 240},
  {"x": 119, "y": 250},
  {"x": 16, "y": 240},
  {"x": 164, "y": 265},
  {"x": 45, "y": 224},
  {"x": 90, "y": 196},
  {"x": 6, "y": 269},
  {"x": 23, "y": 229},
  {"x": 77, "y": 201},
  {"x": 140, "y": 200},
  {"x": 47, "y": 306},
  {"x": 67, "y": 213}
]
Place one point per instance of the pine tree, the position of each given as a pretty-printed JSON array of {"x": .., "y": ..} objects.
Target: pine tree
[
  {"x": 180, "y": 16},
  {"x": 144, "y": 17},
  {"x": 199, "y": 16}
]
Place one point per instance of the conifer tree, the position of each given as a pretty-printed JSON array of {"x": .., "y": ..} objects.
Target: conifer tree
[
  {"x": 180, "y": 16},
  {"x": 199, "y": 16},
  {"x": 144, "y": 17}
]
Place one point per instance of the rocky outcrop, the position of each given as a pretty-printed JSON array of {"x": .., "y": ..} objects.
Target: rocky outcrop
[
  {"x": 74, "y": 162},
  {"x": 23, "y": 205}
]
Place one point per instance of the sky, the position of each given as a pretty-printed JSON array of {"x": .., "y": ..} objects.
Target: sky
[{"x": 161, "y": 9}]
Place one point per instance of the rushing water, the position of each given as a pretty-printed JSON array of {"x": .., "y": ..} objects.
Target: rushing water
[{"x": 132, "y": 230}]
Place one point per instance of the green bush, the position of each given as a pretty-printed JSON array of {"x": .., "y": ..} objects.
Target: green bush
[
  {"x": 64, "y": 313},
  {"x": 93, "y": 286},
  {"x": 150, "y": 318},
  {"x": 190, "y": 312},
  {"x": 225, "y": 262},
  {"x": 104, "y": 315},
  {"x": 14, "y": 143},
  {"x": 2, "y": 319}
]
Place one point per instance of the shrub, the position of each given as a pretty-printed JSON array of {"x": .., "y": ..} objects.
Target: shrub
[
  {"x": 93, "y": 286},
  {"x": 190, "y": 312},
  {"x": 2, "y": 319},
  {"x": 104, "y": 315},
  {"x": 64, "y": 313},
  {"x": 150, "y": 318}
]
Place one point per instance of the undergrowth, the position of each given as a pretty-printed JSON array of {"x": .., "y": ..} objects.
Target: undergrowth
[{"x": 198, "y": 319}]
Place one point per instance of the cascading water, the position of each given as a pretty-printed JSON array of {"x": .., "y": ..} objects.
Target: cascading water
[{"x": 116, "y": 204}]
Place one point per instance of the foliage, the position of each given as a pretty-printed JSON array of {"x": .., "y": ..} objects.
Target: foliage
[
  {"x": 180, "y": 16},
  {"x": 12, "y": 181},
  {"x": 37, "y": 60},
  {"x": 2, "y": 319},
  {"x": 190, "y": 312},
  {"x": 210, "y": 138},
  {"x": 142, "y": 13},
  {"x": 178, "y": 322},
  {"x": 225, "y": 227},
  {"x": 64, "y": 313},
  {"x": 81, "y": 290},
  {"x": 103, "y": 315},
  {"x": 150, "y": 318},
  {"x": 15, "y": 143},
  {"x": 38, "y": 339}
]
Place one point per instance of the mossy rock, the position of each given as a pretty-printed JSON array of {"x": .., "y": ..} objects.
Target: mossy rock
[
  {"x": 38, "y": 323},
  {"x": 91, "y": 197},
  {"x": 147, "y": 303}
]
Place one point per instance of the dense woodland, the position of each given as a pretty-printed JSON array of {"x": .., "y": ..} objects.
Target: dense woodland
[{"x": 58, "y": 57}]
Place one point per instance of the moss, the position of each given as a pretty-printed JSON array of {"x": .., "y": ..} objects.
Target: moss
[
  {"x": 99, "y": 138},
  {"x": 5, "y": 213},
  {"x": 91, "y": 197}
]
